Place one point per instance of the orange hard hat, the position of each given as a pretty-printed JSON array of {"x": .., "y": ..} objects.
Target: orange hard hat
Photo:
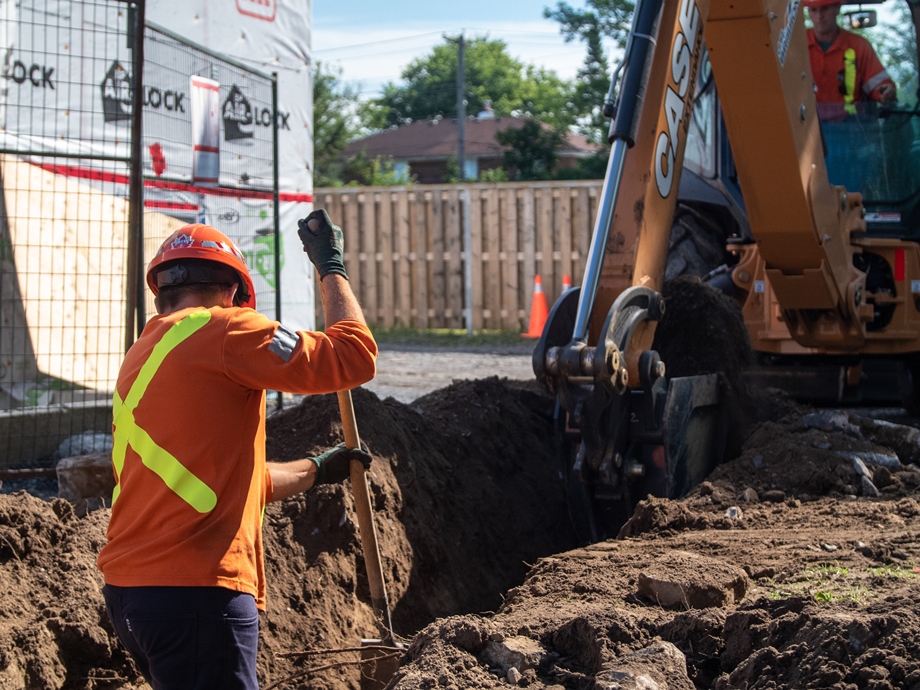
[
  {"x": 199, "y": 241},
  {"x": 820, "y": 3}
]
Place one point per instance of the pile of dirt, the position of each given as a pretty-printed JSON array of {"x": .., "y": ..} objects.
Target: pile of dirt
[
  {"x": 784, "y": 570},
  {"x": 703, "y": 332}
]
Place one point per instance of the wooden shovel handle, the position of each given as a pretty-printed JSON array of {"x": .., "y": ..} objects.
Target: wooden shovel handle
[{"x": 366, "y": 522}]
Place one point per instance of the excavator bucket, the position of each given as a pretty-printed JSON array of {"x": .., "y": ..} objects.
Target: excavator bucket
[
  {"x": 693, "y": 433},
  {"x": 619, "y": 446}
]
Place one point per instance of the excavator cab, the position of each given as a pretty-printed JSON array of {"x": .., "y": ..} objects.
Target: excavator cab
[
  {"x": 876, "y": 151},
  {"x": 869, "y": 148}
]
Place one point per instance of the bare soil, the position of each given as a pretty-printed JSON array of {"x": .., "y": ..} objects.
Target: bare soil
[{"x": 783, "y": 570}]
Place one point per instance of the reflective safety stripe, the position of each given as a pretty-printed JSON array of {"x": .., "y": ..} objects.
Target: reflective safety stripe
[
  {"x": 876, "y": 82},
  {"x": 284, "y": 342},
  {"x": 849, "y": 79},
  {"x": 188, "y": 487}
]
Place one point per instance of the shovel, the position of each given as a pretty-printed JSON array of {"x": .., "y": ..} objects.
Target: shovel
[{"x": 375, "y": 672}]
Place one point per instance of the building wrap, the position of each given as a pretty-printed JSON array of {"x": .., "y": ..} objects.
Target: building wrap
[
  {"x": 48, "y": 68},
  {"x": 271, "y": 36}
]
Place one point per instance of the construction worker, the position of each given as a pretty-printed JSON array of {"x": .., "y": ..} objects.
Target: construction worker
[
  {"x": 183, "y": 565},
  {"x": 845, "y": 67}
]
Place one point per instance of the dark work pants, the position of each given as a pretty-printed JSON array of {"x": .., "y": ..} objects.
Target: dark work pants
[{"x": 188, "y": 638}]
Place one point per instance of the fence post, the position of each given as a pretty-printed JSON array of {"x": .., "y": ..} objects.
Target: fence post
[
  {"x": 468, "y": 269},
  {"x": 134, "y": 297}
]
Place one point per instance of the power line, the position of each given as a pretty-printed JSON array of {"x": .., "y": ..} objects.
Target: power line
[
  {"x": 488, "y": 32},
  {"x": 372, "y": 43}
]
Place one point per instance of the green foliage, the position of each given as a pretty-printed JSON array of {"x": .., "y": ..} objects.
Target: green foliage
[
  {"x": 603, "y": 17},
  {"x": 887, "y": 571},
  {"x": 335, "y": 123},
  {"x": 599, "y": 18},
  {"x": 429, "y": 86},
  {"x": 897, "y": 49},
  {"x": 452, "y": 170},
  {"x": 360, "y": 170},
  {"x": 547, "y": 98},
  {"x": 494, "y": 175},
  {"x": 532, "y": 152},
  {"x": 826, "y": 570}
]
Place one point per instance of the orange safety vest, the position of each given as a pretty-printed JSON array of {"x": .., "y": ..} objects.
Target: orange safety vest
[{"x": 848, "y": 71}]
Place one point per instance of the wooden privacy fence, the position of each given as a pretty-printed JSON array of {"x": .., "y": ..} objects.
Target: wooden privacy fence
[{"x": 463, "y": 255}]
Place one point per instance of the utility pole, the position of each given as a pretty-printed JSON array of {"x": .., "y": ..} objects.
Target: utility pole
[{"x": 461, "y": 108}]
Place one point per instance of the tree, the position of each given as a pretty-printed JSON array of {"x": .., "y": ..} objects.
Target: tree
[
  {"x": 532, "y": 150},
  {"x": 546, "y": 98},
  {"x": 429, "y": 86},
  {"x": 897, "y": 49},
  {"x": 599, "y": 18},
  {"x": 335, "y": 124}
]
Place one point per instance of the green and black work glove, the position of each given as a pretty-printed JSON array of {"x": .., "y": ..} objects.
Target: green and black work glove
[
  {"x": 323, "y": 242},
  {"x": 333, "y": 465}
]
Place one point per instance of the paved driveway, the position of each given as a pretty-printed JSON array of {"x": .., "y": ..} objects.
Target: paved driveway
[{"x": 406, "y": 372}]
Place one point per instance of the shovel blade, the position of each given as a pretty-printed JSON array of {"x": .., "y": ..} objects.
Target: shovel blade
[{"x": 378, "y": 666}]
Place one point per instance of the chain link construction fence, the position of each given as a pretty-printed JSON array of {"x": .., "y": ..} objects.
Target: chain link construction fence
[{"x": 85, "y": 202}]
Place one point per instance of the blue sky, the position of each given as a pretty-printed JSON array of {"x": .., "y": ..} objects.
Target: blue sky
[{"x": 373, "y": 41}]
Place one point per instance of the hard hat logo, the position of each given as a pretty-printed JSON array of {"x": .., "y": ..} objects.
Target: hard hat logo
[
  {"x": 201, "y": 242},
  {"x": 182, "y": 241}
]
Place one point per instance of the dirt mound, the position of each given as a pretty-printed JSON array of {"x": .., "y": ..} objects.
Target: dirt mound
[
  {"x": 54, "y": 632},
  {"x": 814, "y": 573},
  {"x": 703, "y": 332}
]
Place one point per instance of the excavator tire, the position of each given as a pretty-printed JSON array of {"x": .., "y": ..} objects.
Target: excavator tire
[{"x": 698, "y": 240}]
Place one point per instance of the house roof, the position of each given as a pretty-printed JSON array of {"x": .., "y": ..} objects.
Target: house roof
[{"x": 436, "y": 139}]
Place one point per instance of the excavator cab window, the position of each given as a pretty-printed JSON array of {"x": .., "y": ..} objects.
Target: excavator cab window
[
  {"x": 702, "y": 150},
  {"x": 875, "y": 150}
]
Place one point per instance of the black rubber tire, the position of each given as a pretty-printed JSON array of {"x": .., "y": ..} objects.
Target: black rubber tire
[{"x": 698, "y": 239}]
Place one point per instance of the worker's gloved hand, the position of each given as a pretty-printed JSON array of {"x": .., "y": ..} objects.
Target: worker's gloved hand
[
  {"x": 332, "y": 466},
  {"x": 323, "y": 242}
]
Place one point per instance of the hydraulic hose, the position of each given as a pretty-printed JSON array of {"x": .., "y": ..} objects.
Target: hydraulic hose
[
  {"x": 638, "y": 60},
  {"x": 639, "y": 56}
]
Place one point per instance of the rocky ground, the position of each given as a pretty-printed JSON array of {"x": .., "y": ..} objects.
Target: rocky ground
[{"x": 795, "y": 565}]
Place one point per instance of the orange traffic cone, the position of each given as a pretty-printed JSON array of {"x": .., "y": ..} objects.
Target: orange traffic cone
[
  {"x": 538, "y": 310},
  {"x": 566, "y": 282}
]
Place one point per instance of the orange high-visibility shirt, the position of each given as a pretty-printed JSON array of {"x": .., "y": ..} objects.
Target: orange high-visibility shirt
[
  {"x": 827, "y": 67},
  {"x": 193, "y": 482}
]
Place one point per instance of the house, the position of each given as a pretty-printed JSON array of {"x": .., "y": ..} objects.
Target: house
[{"x": 424, "y": 147}]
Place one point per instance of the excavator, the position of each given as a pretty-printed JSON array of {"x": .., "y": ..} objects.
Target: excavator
[{"x": 716, "y": 136}]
